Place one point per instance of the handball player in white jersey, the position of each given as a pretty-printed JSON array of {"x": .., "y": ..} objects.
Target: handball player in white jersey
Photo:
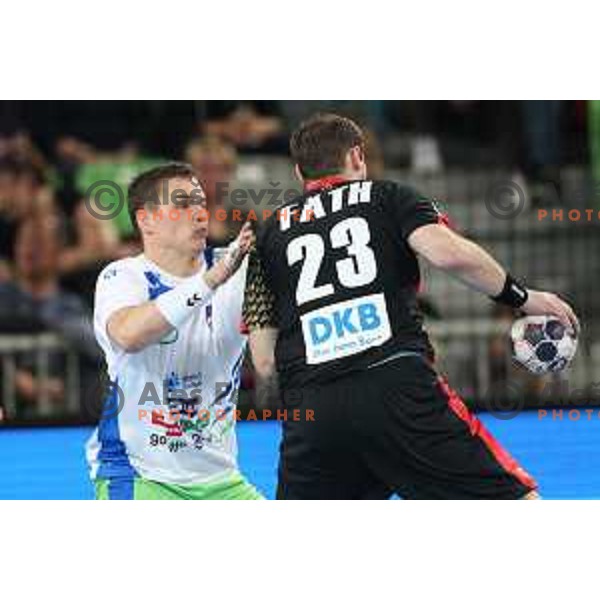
[{"x": 169, "y": 323}]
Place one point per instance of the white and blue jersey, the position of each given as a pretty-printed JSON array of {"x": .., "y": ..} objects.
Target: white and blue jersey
[{"x": 178, "y": 396}]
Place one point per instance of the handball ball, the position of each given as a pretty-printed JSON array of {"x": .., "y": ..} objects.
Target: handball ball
[{"x": 542, "y": 344}]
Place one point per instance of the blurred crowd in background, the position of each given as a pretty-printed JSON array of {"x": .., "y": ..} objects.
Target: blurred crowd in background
[{"x": 52, "y": 248}]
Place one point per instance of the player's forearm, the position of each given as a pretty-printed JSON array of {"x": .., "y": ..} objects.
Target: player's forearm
[
  {"x": 262, "y": 349},
  {"x": 478, "y": 270},
  {"x": 459, "y": 257},
  {"x": 136, "y": 327}
]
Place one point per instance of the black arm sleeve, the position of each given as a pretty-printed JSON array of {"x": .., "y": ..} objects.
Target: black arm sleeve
[{"x": 259, "y": 302}]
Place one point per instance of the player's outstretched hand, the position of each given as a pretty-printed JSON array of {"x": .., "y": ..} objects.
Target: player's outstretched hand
[
  {"x": 232, "y": 259},
  {"x": 546, "y": 303}
]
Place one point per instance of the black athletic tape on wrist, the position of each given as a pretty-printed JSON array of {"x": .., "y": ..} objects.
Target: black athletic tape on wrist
[{"x": 512, "y": 294}]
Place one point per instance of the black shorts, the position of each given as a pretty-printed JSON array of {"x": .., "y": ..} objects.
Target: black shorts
[{"x": 396, "y": 428}]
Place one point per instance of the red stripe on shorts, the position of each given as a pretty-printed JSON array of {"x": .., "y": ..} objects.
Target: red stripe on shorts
[{"x": 477, "y": 428}]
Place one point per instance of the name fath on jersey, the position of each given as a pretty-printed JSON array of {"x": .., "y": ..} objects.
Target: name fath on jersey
[{"x": 177, "y": 422}]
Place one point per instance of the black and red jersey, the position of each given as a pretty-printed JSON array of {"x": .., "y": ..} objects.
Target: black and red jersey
[{"x": 333, "y": 272}]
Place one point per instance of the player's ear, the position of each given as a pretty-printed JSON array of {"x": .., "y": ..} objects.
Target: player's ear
[
  {"x": 357, "y": 157},
  {"x": 298, "y": 173},
  {"x": 355, "y": 161}
]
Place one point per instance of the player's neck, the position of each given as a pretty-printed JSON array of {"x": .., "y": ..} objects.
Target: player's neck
[
  {"x": 323, "y": 183},
  {"x": 172, "y": 261}
]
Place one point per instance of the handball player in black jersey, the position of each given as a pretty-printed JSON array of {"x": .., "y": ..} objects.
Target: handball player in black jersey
[{"x": 331, "y": 306}]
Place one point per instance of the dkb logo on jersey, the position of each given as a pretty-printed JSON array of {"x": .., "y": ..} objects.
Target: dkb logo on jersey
[{"x": 345, "y": 328}]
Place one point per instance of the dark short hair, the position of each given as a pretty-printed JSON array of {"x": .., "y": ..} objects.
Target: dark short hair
[
  {"x": 320, "y": 144},
  {"x": 144, "y": 187}
]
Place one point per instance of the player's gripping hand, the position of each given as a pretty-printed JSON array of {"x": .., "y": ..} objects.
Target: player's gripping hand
[
  {"x": 232, "y": 259},
  {"x": 545, "y": 303}
]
